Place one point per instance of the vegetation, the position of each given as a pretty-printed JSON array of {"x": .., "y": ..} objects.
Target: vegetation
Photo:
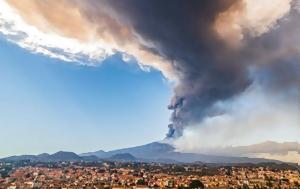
[{"x": 196, "y": 184}]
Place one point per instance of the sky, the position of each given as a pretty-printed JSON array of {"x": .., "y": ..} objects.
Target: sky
[
  {"x": 48, "y": 105},
  {"x": 215, "y": 77}
]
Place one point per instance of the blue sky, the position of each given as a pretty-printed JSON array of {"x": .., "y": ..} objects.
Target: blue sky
[{"x": 48, "y": 105}]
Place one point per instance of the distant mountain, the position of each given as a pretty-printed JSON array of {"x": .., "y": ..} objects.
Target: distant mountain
[
  {"x": 152, "y": 152},
  {"x": 147, "y": 151},
  {"x": 99, "y": 153},
  {"x": 63, "y": 156},
  {"x": 90, "y": 158},
  {"x": 56, "y": 157},
  {"x": 123, "y": 157},
  {"x": 162, "y": 152},
  {"x": 43, "y": 155},
  {"x": 20, "y": 158}
]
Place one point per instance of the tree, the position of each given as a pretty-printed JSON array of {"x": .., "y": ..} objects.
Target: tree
[
  {"x": 245, "y": 186},
  {"x": 196, "y": 184},
  {"x": 140, "y": 182},
  {"x": 269, "y": 184}
]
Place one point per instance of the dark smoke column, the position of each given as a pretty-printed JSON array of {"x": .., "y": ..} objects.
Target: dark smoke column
[
  {"x": 175, "y": 127},
  {"x": 208, "y": 69},
  {"x": 183, "y": 33}
]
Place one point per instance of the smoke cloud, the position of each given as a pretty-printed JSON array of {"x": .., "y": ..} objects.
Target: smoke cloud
[
  {"x": 252, "y": 117},
  {"x": 193, "y": 37},
  {"x": 273, "y": 148},
  {"x": 213, "y": 51}
]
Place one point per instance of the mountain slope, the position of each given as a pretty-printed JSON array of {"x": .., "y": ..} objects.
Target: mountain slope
[
  {"x": 99, "y": 153},
  {"x": 152, "y": 152},
  {"x": 164, "y": 152},
  {"x": 58, "y": 156},
  {"x": 63, "y": 156},
  {"x": 123, "y": 157}
]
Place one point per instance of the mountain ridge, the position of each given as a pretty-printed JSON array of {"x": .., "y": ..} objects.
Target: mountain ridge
[
  {"x": 151, "y": 152},
  {"x": 156, "y": 151}
]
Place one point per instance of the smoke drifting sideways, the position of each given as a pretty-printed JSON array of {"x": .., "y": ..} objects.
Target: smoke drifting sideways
[
  {"x": 213, "y": 50},
  {"x": 218, "y": 48}
]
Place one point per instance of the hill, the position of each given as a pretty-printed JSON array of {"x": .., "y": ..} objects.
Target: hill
[
  {"x": 56, "y": 157},
  {"x": 162, "y": 152},
  {"x": 152, "y": 152},
  {"x": 123, "y": 157}
]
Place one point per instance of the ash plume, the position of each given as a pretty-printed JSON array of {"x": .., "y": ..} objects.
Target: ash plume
[
  {"x": 183, "y": 33},
  {"x": 209, "y": 67},
  {"x": 213, "y": 50}
]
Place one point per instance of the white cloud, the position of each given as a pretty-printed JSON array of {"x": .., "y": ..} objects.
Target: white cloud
[
  {"x": 254, "y": 117},
  {"x": 291, "y": 156},
  {"x": 29, "y": 37},
  {"x": 87, "y": 46},
  {"x": 250, "y": 17}
]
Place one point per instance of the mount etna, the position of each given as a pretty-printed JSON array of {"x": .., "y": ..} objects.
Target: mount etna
[{"x": 152, "y": 152}]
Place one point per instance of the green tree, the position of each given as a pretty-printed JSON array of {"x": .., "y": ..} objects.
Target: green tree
[
  {"x": 140, "y": 182},
  {"x": 269, "y": 183},
  {"x": 245, "y": 186},
  {"x": 196, "y": 184}
]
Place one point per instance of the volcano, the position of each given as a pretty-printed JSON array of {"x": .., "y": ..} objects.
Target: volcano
[{"x": 163, "y": 152}]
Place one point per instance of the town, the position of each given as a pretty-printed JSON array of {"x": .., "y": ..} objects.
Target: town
[{"x": 145, "y": 175}]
